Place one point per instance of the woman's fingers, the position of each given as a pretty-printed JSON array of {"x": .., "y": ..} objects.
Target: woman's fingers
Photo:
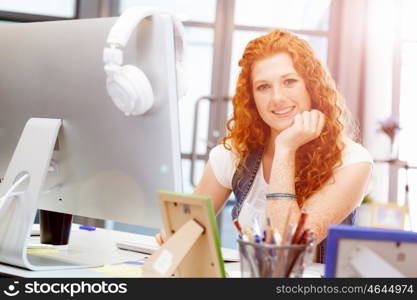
[
  {"x": 306, "y": 127},
  {"x": 314, "y": 117},
  {"x": 161, "y": 237},
  {"x": 306, "y": 120},
  {"x": 321, "y": 122},
  {"x": 298, "y": 120},
  {"x": 158, "y": 239},
  {"x": 317, "y": 121}
]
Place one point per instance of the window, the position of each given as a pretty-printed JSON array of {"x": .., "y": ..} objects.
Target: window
[
  {"x": 187, "y": 10},
  {"x": 407, "y": 107},
  {"x": 199, "y": 71},
  {"x": 62, "y": 8},
  {"x": 295, "y": 14}
]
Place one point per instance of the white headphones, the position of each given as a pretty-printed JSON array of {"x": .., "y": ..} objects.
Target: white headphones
[{"x": 127, "y": 85}]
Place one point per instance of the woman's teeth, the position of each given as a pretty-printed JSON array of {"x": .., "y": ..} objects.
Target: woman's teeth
[{"x": 283, "y": 111}]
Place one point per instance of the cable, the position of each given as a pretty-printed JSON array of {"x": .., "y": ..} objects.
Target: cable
[{"x": 10, "y": 192}]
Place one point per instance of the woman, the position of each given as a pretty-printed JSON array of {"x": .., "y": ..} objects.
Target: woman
[{"x": 288, "y": 147}]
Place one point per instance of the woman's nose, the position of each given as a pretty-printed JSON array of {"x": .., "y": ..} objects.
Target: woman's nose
[{"x": 278, "y": 94}]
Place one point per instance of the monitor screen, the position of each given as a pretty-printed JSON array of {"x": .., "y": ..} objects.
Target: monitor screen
[{"x": 105, "y": 165}]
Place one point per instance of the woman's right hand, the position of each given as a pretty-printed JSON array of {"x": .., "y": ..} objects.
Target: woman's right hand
[
  {"x": 161, "y": 237},
  {"x": 306, "y": 127}
]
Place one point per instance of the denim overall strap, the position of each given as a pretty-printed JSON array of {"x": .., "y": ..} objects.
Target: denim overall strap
[
  {"x": 241, "y": 186},
  {"x": 320, "y": 254}
]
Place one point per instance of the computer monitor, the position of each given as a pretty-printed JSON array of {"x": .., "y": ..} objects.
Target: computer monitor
[{"x": 105, "y": 165}]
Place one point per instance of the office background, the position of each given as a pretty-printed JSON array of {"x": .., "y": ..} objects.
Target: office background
[{"x": 368, "y": 45}]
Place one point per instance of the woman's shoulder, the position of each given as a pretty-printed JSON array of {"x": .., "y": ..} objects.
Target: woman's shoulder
[
  {"x": 354, "y": 152},
  {"x": 225, "y": 147},
  {"x": 222, "y": 153},
  {"x": 223, "y": 161}
]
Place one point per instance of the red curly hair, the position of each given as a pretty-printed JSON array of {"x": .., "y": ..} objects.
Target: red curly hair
[{"x": 316, "y": 160}]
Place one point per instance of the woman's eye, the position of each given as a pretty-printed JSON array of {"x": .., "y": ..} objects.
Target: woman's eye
[
  {"x": 289, "y": 82},
  {"x": 262, "y": 87}
]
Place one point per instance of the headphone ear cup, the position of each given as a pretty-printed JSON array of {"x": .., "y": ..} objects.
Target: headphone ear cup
[{"x": 130, "y": 90}]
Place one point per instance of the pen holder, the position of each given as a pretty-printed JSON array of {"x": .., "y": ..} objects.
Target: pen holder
[{"x": 268, "y": 260}]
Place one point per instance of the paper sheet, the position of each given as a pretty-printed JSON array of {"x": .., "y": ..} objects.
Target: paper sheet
[{"x": 125, "y": 269}]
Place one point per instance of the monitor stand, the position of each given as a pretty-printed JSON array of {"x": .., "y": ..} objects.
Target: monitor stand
[{"x": 32, "y": 156}]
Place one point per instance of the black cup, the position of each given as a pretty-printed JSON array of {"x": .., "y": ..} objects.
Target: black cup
[{"x": 55, "y": 227}]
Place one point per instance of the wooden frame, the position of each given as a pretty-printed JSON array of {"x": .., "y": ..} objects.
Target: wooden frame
[
  {"x": 389, "y": 215},
  {"x": 193, "y": 248}
]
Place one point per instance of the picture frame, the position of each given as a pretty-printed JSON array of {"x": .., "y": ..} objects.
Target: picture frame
[
  {"x": 354, "y": 251},
  {"x": 193, "y": 245},
  {"x": 388, "y": 215}
]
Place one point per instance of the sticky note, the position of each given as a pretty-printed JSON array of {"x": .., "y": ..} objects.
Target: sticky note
[{"x": 41, "y": 250}]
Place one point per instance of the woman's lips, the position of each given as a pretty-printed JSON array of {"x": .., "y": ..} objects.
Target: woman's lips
[{"x": 284, "y": 112}]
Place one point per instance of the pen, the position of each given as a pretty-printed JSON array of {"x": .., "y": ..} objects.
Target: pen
[
  {"x": 290, "y": 233},
  {"x": 299, "y": 229},
  {"x": 245, "y": 238},
  {"x": 88, "y": 228},
  {"x": 305, "y": 236},
  {"x": 257, "y": 238},
  {"x": 256, "y": 227},
  {"x": 306, "y": 239},
  {"x": 268, "y": 236},
  {"x": 268, "y": 231},
  {"x": 277, "y": 237},
  {"x": 286, "y": 225},
  {"x": 237, "y": 225},
  {"x": 249, "y": 235}
]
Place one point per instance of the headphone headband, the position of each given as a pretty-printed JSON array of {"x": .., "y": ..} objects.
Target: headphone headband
[
  {"x": 123, "y": 28},
  {"x": 127, "y": 22}
]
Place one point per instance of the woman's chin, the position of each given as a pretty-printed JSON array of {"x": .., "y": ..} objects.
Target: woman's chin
[{"x": 282, "y": 126}]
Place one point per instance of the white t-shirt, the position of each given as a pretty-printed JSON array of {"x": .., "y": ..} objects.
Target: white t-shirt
[{"x": 223, "y": 163}]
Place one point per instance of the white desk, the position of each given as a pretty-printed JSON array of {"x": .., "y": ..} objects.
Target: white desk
[{"x": 99, "y": 248}]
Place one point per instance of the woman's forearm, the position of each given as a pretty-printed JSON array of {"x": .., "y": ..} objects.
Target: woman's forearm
[
  {"x": 282, "y": 172},
  {"x": 282, "y": 180}
]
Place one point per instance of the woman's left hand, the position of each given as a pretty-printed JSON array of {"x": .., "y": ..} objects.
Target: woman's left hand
[{"x": 306, "y": 127}]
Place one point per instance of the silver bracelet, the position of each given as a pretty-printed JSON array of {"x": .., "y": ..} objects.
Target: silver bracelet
[{"x": 281, "y": 195}]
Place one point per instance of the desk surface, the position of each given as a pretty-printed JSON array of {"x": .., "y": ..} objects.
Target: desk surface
[{"x": 99, "y": 247}]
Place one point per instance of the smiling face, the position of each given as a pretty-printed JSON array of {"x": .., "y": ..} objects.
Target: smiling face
[{"x": 279, "y": 91}]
